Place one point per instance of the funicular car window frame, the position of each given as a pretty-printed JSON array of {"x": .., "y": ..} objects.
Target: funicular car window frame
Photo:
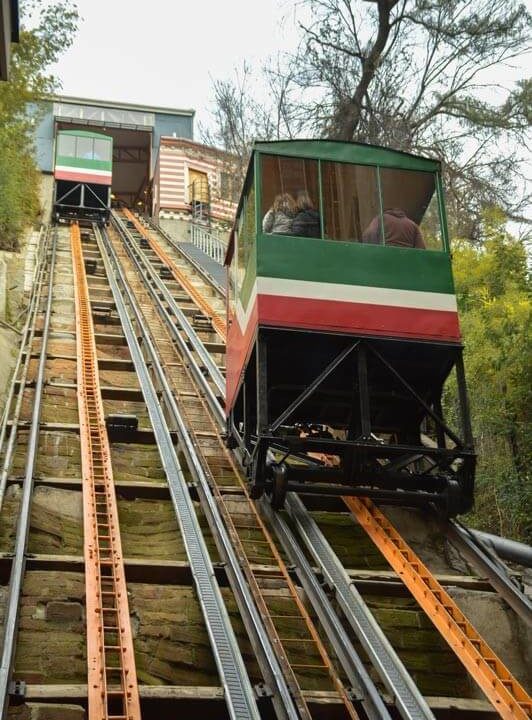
[
  {"x": 438, "y": 192},
  {"x": 259, "y": 171},
  {"x": 105, "y": 146},
  {"x": 434, "y": 198},
  {"x": 243, "y": 246},
  {"x": 337, "y": 217},
  {"x": 61, "y": 151},
  {"x": 88, "y": 153}
]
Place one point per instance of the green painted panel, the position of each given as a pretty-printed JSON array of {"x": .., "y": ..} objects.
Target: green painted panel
[
  {"x": 349, "y": 153},
  {"x": 348, "y": 263},
  {"x": 249, "y": 277},
  {"x": 84, "y": 163}
]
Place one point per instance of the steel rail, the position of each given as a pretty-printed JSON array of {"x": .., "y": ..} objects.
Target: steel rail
[
  {"x": 170, "y": 240},
  {"x": 362, "y": 684},
  {"x": 504, "y": 686},
  {"x": 23, "y": 525},
  {"x": 218, "y": 323},
  {"x": 471, "y": 545},
  {"x": 28, "y": 334},
  {"x": 408, "y": 700},
  {"x": 155, "y": 286},
  {"x": 254, "y": 623},
  {"x": 239, "y": 694},
  {"x": 506, "y": 694},
  {"x": 110, "y": 653},
  {"x": 194, "y": 446},
  {"x": 490, "y": 567}
]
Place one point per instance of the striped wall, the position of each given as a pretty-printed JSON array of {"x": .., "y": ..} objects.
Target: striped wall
[{"x": 171, "y": 178}]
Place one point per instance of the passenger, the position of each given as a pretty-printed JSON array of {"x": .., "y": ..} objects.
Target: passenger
[
  {"x": 279, "y": 218},
  {"x": 307, "y": 221},
  {"x": 399, "y": 230}
]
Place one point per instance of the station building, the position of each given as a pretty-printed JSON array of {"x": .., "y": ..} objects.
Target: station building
[{"x": 158, "y": 168}]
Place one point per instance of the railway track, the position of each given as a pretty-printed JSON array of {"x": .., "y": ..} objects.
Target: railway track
[{"x": 284, "y": 629}]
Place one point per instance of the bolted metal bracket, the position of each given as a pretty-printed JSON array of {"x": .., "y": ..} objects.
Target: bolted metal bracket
[
  {"x": 262, "y": 690},
  {"x": 17, "y": 692}
]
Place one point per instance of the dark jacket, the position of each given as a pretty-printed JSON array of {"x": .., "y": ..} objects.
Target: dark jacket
[
  {"x": 398, "y": 228},
  {"x": 307, "y": 224}
]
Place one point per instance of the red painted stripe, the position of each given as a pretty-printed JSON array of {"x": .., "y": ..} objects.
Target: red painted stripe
[
  {"x": 238, "y": 348},
  {"x": 82, "y": 177},
  {"x": 358, "y": 317}
]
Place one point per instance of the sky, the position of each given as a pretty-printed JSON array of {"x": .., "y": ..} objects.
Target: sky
[{"x": 167, "y": 52}]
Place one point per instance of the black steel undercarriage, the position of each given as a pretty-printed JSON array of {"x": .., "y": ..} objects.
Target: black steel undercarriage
[
  {"x": 325, "y": 413},
  {"x": 81, "y": 201}
]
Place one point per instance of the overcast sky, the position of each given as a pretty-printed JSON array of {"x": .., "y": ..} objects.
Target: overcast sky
[{"x": 166, "y": 52}]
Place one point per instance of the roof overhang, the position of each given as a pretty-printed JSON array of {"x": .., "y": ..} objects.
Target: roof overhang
[{"x": 123, "y": 105}]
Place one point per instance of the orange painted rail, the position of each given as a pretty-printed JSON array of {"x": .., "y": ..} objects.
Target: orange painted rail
[
  {"x": 507, "y": 696},
  {"x": 112, "y": 678},
  {"x": 218, "y": 322}
]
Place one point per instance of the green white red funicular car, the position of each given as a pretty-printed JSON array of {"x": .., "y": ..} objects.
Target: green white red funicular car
[
  {"x": 343, "y": 328},
  {"x": 83, "y": 174}
]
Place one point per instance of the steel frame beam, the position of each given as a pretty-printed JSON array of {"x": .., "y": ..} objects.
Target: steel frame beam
[{"x": 506, "y": 694}]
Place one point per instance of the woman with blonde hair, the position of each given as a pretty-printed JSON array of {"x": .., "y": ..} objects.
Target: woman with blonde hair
[
  {"x": 307, "y": 220},
  {"x": 280, "y": 216}
]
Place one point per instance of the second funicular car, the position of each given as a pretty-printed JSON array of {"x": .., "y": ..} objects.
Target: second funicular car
[
  {"x": 83, "y": 175},
  {"x": 343, "y": 328}
]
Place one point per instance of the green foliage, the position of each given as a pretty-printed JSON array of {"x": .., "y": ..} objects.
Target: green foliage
[
  {"x": 493, "y": 290},
  {"x": 51, "y": 32}
]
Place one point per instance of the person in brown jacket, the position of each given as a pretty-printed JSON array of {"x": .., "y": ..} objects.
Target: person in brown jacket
[{"x": 399, "y": 230}]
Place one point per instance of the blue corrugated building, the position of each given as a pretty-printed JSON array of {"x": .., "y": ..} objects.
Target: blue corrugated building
[{"x": 136, "y": 131}]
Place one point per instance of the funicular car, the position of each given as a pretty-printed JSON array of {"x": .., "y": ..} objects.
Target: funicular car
[
  {"x": 340, "y": 341},
  {"x": 83, "y": 175}
]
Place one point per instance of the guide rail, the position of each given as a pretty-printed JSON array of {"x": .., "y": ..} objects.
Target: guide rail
[
  {"x": 505, "y": 693},
  {"x": 110, "y": 654}
]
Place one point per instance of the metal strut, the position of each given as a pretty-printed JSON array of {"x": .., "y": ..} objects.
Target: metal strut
[
  {"x": 112, "y": 678},
  {"x": 506, "y": 694},
  {"x": 218, "y": 323}
]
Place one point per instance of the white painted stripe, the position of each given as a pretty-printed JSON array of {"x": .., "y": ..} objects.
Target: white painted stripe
[
  {"x": 171, "y": 179},
  {"x": 87, "y": 171},
  {"x": 413, "y": 299},
  {"x": 357, "y": 294}
]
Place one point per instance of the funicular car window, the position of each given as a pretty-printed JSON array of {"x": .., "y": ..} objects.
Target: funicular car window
[
  {"x": 245, "y": 236},
  {"x": 290, "y": 196},
  {"x": 66, "y": 146},
  {"x": 411, "y": 215},
  {"x": 102, "y": 149},
  {"x": 84, "y": 148},
  {"x": 350, "y": 200}
]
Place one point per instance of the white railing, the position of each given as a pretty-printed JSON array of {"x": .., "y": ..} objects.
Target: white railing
[{"x": 209, "y": 243}]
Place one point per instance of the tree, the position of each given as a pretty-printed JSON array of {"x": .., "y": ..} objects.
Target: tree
[
  {"x": 52, "y": 30},
  {"x": 239, "y": 117},
  {"x": 415, "y": 75},
  {"x": 493, "y": 291}
]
